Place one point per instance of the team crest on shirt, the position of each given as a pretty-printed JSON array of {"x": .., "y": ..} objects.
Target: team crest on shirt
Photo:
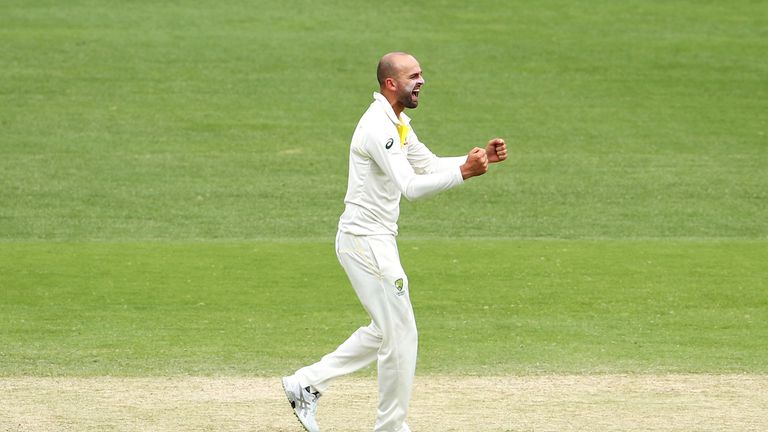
[{"x": 399, "y": 285}]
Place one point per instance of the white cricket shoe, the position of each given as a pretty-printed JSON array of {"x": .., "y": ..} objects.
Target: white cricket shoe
[{"x": 303, "y": 401}]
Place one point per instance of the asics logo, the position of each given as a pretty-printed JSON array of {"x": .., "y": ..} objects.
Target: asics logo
[{"x": 389, "y": 143}]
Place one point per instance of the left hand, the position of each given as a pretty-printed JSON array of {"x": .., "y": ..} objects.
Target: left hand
[{"x": 496, "y": 150}]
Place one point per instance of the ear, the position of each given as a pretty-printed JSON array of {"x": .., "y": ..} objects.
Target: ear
[{"x": 390, "y": 84}]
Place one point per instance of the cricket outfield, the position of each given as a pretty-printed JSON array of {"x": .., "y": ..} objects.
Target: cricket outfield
[
  {"x": 171, "y": 175},
  {"x": 143, "y": 337}
]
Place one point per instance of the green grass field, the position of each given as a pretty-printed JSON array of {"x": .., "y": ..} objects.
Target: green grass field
[
  {"x": 484, "y": 307},
  {"x": 171, "y": 176}
]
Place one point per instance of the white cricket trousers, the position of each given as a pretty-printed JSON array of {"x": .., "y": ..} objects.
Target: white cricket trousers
[{"x": 373, "y": 266}]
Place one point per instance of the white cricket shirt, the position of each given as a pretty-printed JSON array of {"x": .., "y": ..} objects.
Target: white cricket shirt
[{"x": 386, "y": 161}]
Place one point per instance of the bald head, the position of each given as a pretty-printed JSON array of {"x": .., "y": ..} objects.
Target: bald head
[
  {"x": 391, "y": 65},
  {"x": 400, "y": 80}
]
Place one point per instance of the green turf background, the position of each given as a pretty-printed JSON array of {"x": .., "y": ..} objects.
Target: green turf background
[
  {"x": 171, "y": 175},
  {"x": 483, "y": 307}
]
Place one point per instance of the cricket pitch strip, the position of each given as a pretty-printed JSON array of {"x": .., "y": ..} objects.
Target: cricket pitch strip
[{"x": 440, "y": 403}]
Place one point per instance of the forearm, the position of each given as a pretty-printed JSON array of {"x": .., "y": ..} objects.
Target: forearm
[
  {"x": 423, "y": 186},
  {"x": 447, "y": 163}
]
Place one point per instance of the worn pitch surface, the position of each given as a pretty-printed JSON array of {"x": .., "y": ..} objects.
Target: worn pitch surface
[{"x": 444, "y": 403}]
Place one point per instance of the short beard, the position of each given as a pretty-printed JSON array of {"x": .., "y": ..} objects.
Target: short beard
[{"x": 407, "y": 99}]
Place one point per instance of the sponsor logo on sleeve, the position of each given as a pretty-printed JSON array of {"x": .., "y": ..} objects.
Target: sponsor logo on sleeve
[{"x": 389, "y": 143}]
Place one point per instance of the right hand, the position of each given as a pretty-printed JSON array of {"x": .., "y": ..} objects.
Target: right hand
[{"x": 476, "y": 164}]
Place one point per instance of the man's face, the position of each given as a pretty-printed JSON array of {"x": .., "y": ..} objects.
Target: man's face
[{"x": 409, "y": 82}]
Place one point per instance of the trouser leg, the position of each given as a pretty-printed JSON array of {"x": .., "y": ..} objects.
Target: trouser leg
[
  {"x": 358, "y": 351},
  {"x": 373, "y": 266}
]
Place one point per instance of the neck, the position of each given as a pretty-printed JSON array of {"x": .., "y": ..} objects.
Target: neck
[{"x": 397, "y": 107}]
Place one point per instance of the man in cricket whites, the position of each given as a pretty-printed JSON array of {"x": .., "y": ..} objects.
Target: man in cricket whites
[{"x": 386, "y": 161}]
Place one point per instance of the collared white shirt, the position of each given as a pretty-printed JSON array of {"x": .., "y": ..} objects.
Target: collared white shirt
[{"x": 386, "y": 161}]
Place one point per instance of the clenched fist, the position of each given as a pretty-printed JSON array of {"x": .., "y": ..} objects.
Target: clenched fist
[
  {"x": 476, "y": 164},
  {"x": 496, "y": 150}
]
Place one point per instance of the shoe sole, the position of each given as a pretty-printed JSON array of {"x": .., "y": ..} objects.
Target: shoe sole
[{"x": 293, "y": 407}]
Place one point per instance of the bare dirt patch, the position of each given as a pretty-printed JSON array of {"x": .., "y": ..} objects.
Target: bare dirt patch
[{"x": 440, "y": 403}]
